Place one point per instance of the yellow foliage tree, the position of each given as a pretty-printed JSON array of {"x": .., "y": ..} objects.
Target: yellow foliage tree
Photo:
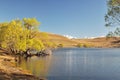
[{"x": 16, "y": 37}]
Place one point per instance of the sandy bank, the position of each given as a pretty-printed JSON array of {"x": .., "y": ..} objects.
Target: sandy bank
[{"x": 8, "y": 70}]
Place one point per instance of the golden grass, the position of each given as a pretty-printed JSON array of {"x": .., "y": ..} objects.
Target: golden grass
[
  {"x": 102, "y": 42},
  {"x": 58, "y": 39}
]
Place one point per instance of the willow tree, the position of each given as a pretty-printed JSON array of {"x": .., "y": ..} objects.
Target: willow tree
[
  {"x": 11, "y": 35},
  {"x": 16, "y": 37}
]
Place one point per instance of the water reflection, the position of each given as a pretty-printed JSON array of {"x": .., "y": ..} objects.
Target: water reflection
[
  {"x": 76, "y": 64},
  {"x": 38, "y": 66}
]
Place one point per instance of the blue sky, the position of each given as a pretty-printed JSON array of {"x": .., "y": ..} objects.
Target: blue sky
[{"x": 77, "y": 18}]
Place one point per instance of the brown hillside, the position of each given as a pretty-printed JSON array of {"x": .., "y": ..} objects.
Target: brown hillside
[
  {"x": 102, "y": 42},
  {"x": 58, "y": 39}
]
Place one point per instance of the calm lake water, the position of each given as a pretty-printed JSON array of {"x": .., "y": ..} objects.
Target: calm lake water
[{"x": 76, "y": 64}]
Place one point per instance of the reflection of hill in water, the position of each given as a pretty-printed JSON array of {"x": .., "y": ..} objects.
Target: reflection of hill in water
[{"x": 38, "y": 66}]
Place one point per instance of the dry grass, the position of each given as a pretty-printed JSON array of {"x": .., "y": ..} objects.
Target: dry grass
[
  {"x": 8, "y": 70},
  {"x": 57, "y": 39},
  {"x": 102, "y": 42}
]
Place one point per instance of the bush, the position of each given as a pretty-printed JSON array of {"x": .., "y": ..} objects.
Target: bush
[
  {"x": 60, "y": 45},
  {"x": 81, "y": 45}
]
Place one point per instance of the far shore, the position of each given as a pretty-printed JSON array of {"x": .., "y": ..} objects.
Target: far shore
[{"x": 98, "y": 42}]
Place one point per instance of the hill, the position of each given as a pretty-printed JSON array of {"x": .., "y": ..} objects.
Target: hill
[
  {"x": 58, "y": 39},
  {"x": 100, "y": 42}
]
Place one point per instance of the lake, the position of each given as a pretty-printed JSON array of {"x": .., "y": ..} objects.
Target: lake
[{"x": 76, "y": 64}]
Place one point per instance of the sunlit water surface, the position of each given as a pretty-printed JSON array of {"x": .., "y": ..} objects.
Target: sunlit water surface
[{"x": 76, "y": 64}]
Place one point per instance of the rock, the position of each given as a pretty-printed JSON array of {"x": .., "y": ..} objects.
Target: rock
[{"x": 47, "y": 52}]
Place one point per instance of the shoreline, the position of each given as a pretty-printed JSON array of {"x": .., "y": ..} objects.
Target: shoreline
[{"x": 8, "y": 70}]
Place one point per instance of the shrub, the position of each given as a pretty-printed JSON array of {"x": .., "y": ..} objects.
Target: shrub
[
  {"x": 81, "y": 45},
  {"x": 60, "y": 45}
]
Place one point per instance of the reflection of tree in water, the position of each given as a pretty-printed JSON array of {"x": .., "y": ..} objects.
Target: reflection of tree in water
[
  {"x": 20, "y": 59},
  {"x": 38, "y": 66}
]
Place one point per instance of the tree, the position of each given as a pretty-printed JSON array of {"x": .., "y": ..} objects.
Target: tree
[
  {"x": 112, "y": 17},
  {"x": 32, "y": 25},
  {"x": 110, "y": 34},
  {"x": 116, "y": 33},
  {"x": 16, "y": 37}
]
